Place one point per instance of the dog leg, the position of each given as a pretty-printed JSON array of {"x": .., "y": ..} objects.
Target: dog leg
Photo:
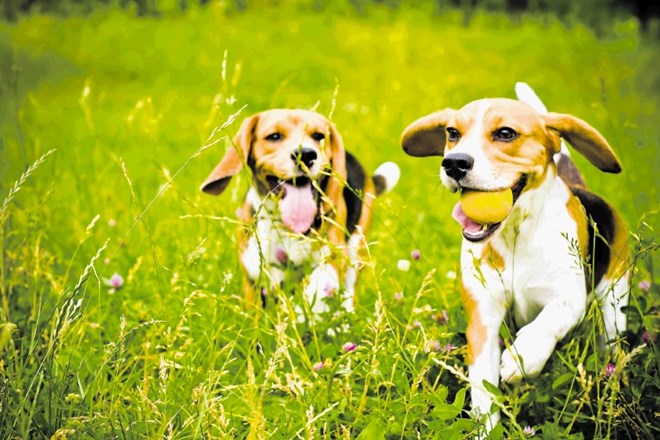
[
  {"x": 611, "y": 297},
  {"x": 484, "y": 367},
  {"x": 485, "y": 315},
  {"x": 356, "y": 248},
  {"x": 535, "y": 342},
  {"x": 248, "y": 254},
  {"x": 249, "y": 293},
  {"x": 322, "y": 283}
]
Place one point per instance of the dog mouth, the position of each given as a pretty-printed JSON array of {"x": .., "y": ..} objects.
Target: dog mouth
[
  {"x": 476, "y": 232},
  {"x": 297, "y": 202},
  {"x": 277, "y": 185}
]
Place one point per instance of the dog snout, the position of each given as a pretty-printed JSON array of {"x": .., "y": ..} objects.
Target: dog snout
[
  {"x": 306, "y": 156},
  {"x": 457, "y": 165}
]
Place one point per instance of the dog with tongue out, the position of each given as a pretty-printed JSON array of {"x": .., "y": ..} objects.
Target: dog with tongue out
[{"x": 308, "y": 208}]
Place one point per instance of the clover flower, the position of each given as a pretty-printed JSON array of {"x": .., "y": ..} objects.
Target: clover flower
[
  {"x": 415, "y": 254},
  {"x": 644, "y": 285},
  {"x": 433, "y": 345},
  {"x": 116, "y": 281},
  {"x": 329, "y": 290},
  {"x": 609, "y": 370},
  {"x": 448, "y": 348},
  {"x": 349, "y": 347},
  {"x": 646, "y": 337},
  {"x": 281, "y": 255}
]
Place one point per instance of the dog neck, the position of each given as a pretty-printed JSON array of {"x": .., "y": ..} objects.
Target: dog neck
[{"x": 532, "y": 200}]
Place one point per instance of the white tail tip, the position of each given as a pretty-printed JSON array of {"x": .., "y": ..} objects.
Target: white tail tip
[
  {"x": 390, "y": 173},
  {"x": 527, "y": 95}
]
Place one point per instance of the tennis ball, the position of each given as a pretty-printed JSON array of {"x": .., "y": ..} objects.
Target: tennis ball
[{"x": 487, "y": 207}]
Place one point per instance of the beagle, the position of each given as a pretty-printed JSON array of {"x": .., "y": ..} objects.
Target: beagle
[
  {"x": 546, "y": 260},
  {"x": 310, "y": 204}
]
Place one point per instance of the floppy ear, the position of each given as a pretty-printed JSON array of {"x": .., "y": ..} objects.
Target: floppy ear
[
  {"x": 233, "y": 160},
  {"x": 585, "y": 139},
  {"x": 426, "y": 136},
  {"x": 338, "y": 157},
  {"x": 334, "y": 192}
]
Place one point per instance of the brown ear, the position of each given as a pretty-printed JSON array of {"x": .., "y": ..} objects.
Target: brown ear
[
  {"x": 426, "y": 136},
  {"x": 338, "y": 157},
  {"x": 233, "y": 160},
  {"x": 335, "y": 189},
  {"x": 585, "y": 139}
]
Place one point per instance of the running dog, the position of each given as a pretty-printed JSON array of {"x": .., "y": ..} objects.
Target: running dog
[
  {"x": 310, "y": 204},
  {"x": 544, "y": 262}
]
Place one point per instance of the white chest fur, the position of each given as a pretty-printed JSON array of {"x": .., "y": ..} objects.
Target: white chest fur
[
  {"x": 271, "y": 248},
  {"x": 536, "y": 274},
  {"x": 271, "y": 244},
  {"x": 537, "y": 251}
]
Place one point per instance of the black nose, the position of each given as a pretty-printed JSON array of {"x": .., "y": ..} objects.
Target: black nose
[
  {"x": 457, "y": 165},
  {"x": 306, "y": 156}
]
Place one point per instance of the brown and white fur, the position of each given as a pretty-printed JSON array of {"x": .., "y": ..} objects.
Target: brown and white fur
[
  {"x": 527, "y": 265},
  {"x": 310, "y": 203}
]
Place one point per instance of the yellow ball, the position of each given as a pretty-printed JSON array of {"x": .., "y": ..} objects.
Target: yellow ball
[{"x": 487, "y": 207}]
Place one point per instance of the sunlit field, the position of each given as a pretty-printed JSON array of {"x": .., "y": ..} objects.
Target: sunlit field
[{"x": 122, "y": 313}]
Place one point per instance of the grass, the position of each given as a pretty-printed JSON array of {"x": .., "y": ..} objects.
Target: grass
[{"x": 130, "y": 108}]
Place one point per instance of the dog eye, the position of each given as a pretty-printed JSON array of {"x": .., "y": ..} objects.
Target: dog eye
[
  {"x": 452, "y": 134},
  {"x": 274, "y": 137},
  {"x": 505, "y": 134},
  {"x": 318, "y": 137}
]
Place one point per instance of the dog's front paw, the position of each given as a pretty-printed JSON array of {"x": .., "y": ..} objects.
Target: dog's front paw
[
  {"x": 526, "y": 356},
  {"x": 511, "y": 367},
  {"x": 322, "y": 283}
]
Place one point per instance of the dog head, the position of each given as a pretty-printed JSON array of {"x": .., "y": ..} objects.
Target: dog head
[
  {"x": 292, "y": 154},
  {"x": 498, "y": 144}
]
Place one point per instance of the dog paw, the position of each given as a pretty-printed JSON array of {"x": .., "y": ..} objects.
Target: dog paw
[
  {"x": 348, "y": 303},
  {"x": 511, "y": 367},
  {"x": 322, "y": 283},
  {"x": 526, "y": 356}
]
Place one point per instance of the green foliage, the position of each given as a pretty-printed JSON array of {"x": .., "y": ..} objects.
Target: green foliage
[{"x": 131, "y": 106}]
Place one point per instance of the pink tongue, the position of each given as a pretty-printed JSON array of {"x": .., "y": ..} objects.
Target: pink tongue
[
  {"x": 467, "y": 224},
  {"x": 298, "y": 207}
]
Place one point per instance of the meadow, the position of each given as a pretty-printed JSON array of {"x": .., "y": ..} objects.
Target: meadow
[{"x": 122, "y": 313}]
